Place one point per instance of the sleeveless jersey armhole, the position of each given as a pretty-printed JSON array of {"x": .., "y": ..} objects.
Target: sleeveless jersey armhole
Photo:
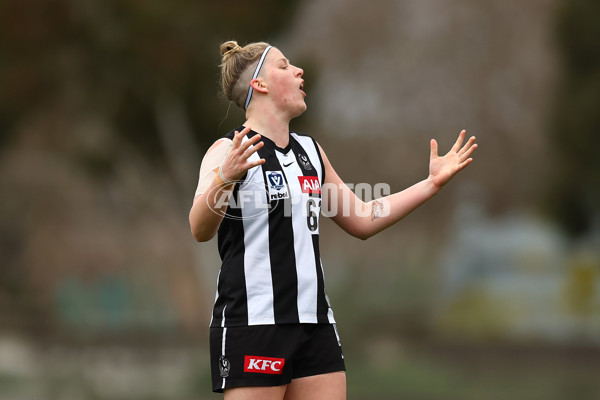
[{"x": 318, "y": 149}]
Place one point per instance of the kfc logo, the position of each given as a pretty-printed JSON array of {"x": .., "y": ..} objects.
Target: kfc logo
[{"x": 264, "y": 365}]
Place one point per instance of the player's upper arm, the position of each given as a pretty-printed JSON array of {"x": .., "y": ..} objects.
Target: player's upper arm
[
  {"x": 211, "y": 162},
  {"x": 345, "y": 216},
  {"x": 331, "y": 176}
]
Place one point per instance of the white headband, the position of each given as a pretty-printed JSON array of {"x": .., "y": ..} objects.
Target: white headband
[{"x": 260, "y": 63}]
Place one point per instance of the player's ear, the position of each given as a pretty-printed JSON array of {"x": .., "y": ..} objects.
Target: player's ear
[{"x": 259, "y": 85}]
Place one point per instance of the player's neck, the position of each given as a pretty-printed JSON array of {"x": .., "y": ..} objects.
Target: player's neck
[{"x": 271, "y": 126}]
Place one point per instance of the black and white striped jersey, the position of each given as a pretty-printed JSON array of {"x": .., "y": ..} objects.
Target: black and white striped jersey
[{"x": 268, "y": 241}]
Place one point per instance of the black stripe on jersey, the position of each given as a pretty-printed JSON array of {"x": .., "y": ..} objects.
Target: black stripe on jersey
[
  {"x": 299, "y": 151},
  {"x": 232, "y": 285},
  {"x": 320, "y": 160},
  {"x": 322, "y": 305},
  {"x": 231, "y": 134},
  {"x": 281, "y": 246}
]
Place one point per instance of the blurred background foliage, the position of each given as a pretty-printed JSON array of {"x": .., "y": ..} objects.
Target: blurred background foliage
[
  {"x": 490, "y": 291},
  {"x": 576, "y": 193}
]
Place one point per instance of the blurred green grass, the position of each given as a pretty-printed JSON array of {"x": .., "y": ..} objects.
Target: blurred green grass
[
  {"x": 383, "y": 370},
  {"x": 422, "y": 375}
]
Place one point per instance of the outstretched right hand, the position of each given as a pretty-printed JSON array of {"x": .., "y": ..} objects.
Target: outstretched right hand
[{"x": 236, "y": 162}]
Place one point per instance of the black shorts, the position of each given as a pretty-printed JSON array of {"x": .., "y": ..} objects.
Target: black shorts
[{"x": 272, "y": 355}]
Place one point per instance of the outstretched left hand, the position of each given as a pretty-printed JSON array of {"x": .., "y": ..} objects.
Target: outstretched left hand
[{"x": 442, "y": 169}]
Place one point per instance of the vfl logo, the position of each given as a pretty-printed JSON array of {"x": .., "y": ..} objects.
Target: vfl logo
[
  {"x": 276, "y": 180},
  {"x": 310, "y": 184},
  {"x": 277, "y": 186},
  {"x": 264, "y": 365},
  {"x": 304, "y": 161},
  {"x": 224, "y": 366}
]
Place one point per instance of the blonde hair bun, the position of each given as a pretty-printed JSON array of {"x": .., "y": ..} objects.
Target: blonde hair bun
[{"x": 229, "y": 47}]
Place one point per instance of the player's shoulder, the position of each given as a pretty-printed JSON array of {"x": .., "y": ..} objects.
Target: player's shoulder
[
  {"x": 231, "y": 134},
  {"x": 224, "y": 141},
  {"x": 220, "y": 145},
  {"x": 304, "y": 139},
  {"x": 301, "y": 135}
]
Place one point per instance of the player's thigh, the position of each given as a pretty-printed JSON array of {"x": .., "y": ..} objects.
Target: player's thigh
[
  {"x": 331, "y": 386},
  {"x": 255, "y": 393}
]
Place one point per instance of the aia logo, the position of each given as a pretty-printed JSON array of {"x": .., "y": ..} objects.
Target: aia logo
[
  {"x": 264, "y": 365},
  {"x": 310, "y": 184}
]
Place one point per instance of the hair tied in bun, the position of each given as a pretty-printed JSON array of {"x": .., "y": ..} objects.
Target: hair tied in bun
[{"x": 229, "y": 47}]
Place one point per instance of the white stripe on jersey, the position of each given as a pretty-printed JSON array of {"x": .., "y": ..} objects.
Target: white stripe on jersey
[{"x": 223, "y": 350}]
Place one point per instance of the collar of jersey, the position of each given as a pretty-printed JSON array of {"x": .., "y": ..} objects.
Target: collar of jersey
[{"x": 268, "y": 142}]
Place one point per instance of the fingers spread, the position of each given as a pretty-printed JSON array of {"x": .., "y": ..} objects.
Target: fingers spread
[
  {"x": 239, "y": 136},
  {"x": 434, "y": 148},
  {"x": 256, "y": 163},
  {"x": 244, "y": 146},
  {"x": 467, "y": 145},
  {"x": 251, "y": 150},
  {"x": 464, "y": 163},
  {"x": 459, "y": 141},
  {"x": 467, "y": 153}
]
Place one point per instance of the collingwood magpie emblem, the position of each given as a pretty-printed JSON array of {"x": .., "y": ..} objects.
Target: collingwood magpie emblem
[
  {"x": 224, "y": 366},
  {"x": 304, "y": 161}
]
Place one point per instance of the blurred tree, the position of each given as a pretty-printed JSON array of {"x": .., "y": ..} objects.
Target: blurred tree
[
  {"x": 138, "y": 65},
  {"x": 575, "y": 198}
]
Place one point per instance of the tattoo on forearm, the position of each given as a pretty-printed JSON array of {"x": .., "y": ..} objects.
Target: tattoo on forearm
[{"x": 377, "y": 210}]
